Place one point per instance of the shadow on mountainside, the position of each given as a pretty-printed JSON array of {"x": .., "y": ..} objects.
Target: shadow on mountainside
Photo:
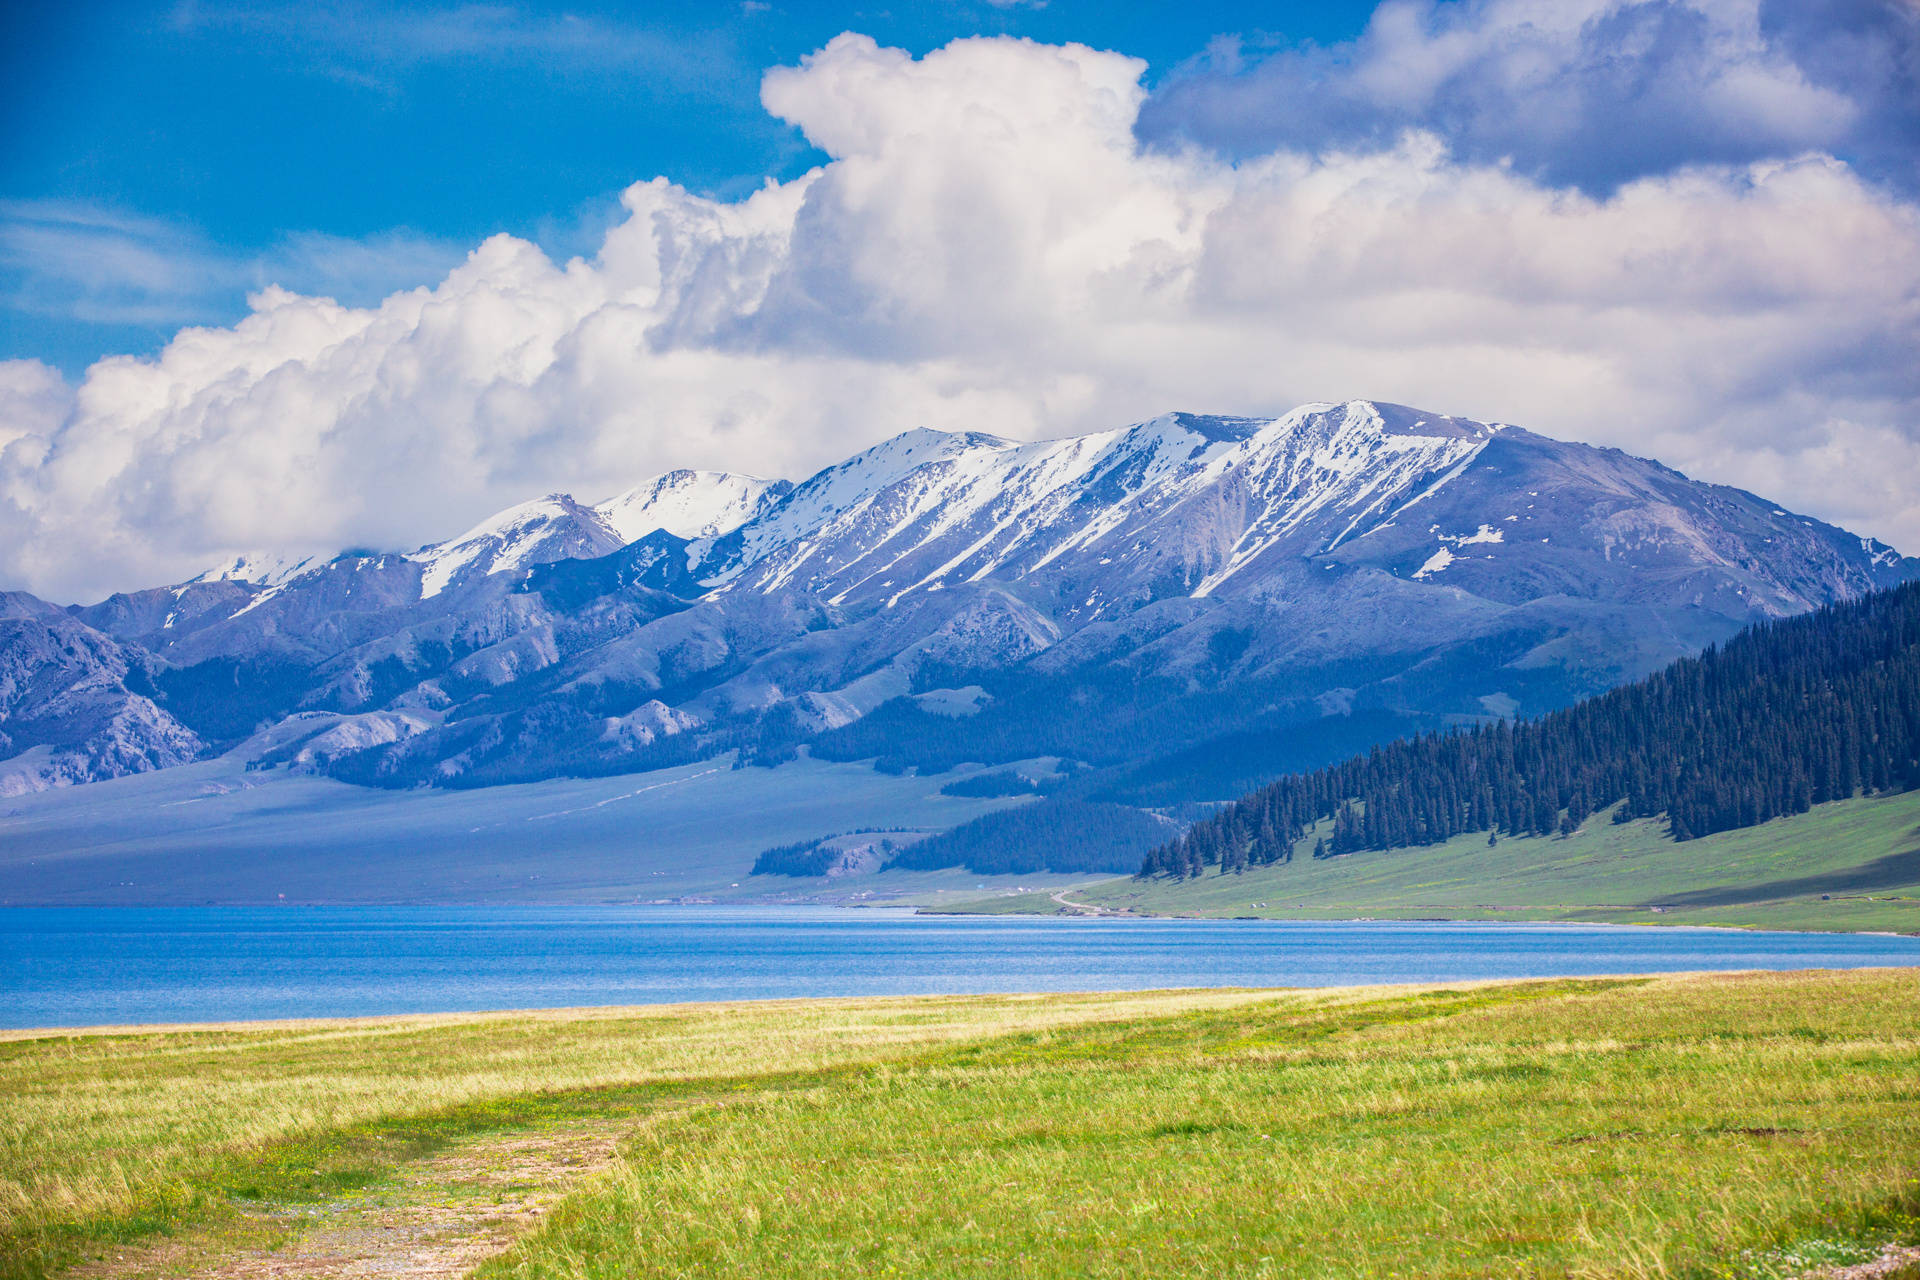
[{"x": 1894, "y": 871}]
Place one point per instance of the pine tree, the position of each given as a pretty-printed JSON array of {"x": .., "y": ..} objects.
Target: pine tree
[{"x": 1784, "y": 716}]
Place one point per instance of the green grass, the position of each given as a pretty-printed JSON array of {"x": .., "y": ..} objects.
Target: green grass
[
  {"x": 1849, "y": 866},
  {"x": 1030, "y": 902},
  {"x": 1704, "y": 1125},
  {"x": 110, "y": 1137},
  {"x": 1710, "y": 1126}
]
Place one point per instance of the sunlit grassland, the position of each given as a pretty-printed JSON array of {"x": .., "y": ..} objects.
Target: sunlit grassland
[
  {"x": 1701, "y": 1125},
  {"x": 1725, "y": 1125},
  {"x": 1848, "y": 866},
  {"x": 114, "y": 1135}
]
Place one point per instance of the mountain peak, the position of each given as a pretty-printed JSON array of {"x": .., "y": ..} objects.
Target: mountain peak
[
  {"x": 518, "y": 516},
  {"x": 554, "y": 527},
  {"x": 1213, "y": 427},
  {"x": 258, "y": 568},
  {"x": 920, "y": 445},
  {"x": 1382, "y": 418},
  {"x": 1474, "y": 569},
  {"x": 1404, "y": 420},
  {"x": 689, "y": 504}
]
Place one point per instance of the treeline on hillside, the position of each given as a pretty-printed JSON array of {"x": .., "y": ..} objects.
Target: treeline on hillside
[
  {"x": 1055, "y": 834},
  {"x": 1236, "y": 762},
  {"x": 1011, "y": 782},
  {"x": 817, "y": 857},
  {"x": 987, "y": 785},
  {"x": 807, "y": 858},
  {"x": 1787, "y": 715}
]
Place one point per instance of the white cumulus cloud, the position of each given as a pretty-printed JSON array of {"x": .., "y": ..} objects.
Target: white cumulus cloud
[
  {"x": 991, "y": 248},
  {"x": 1590, "y": 92}
]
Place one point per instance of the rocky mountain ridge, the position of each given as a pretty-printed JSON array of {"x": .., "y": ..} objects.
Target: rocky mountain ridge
[{"x": 1104, "y": 597}]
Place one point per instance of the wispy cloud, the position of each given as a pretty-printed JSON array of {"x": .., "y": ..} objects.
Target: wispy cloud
[
  {"x": 103, "y": 266},
  {"x": 85, "y": 262},
  {"x": 368, "y": 43}
]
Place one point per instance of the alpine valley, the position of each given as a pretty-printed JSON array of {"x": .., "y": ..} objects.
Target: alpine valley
[{"x": 1086, "y": 641}]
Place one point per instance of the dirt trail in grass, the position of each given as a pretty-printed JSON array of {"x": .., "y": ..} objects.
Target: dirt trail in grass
[
  {"x": 1082, "y": 908},
  {"x": 1896, "y": 1262},
  {"x": 438, "y": 1218}
]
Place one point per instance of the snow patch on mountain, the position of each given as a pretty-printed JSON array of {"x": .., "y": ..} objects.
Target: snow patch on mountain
[
  {"x": 689, "y": 504},
  {"x": 257, "y": 568},
  {"x": 838, "y": 495},
  {"x": 539, "y": 532},
  {"x": 1878, "y": 552},
  {"x": 1436, "y": 562},
  {"x": 989, "y": 506},
  {"x": 358, "y": 732},
  {"x": 929, "y": 510},
  {"x": 646, "y": 724}
]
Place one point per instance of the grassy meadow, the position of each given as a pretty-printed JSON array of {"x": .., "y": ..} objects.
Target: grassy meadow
[
  {"x": 1850, "y": 866},
  {"x": 1715, "y": 1125},
  {"x": 110, "y": 1135}
]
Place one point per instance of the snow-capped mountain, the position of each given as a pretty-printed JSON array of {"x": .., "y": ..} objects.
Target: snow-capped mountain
[
  {"x": 547, "y": 529},
  {"x": 1103, "y": 596},
  {"x": 1142, "y": 504},
  {"x": 690, "y": 504},
  {"x": 260, "y": 568}
]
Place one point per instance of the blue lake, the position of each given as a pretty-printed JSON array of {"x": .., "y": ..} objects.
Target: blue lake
[{"x": 94, "y": 966}]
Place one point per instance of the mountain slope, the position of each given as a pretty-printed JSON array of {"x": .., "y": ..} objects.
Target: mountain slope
[
  {"x": 551, "y": 528},
  {"x": 1787, "y": 715},
  {"x": 1119, "y": 598},
  {"x": 1103, "y": 522},
  {"x": 74, "y": 705},
  {"x": 690, "y": 504},
  {"x": 1847, "y": 865}
]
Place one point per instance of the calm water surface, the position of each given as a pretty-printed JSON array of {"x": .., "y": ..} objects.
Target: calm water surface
[{"x": 92, "y": 966}]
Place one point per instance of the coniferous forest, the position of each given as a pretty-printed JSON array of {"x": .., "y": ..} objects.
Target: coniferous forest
[
  {"x": 1784, "y": 716},
  {"x": 1056, "y": 834}
]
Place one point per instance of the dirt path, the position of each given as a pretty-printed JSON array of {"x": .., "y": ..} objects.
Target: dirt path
[
  {"x": 439, "y": 1218},
  {"x": 1894, "y": 1263},
  {"x": 1082, "y": 908}
]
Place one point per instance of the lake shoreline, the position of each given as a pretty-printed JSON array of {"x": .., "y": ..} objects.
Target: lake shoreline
[
  {"x": 963, "y": 910},
  {"x": 72, "y": 967}
]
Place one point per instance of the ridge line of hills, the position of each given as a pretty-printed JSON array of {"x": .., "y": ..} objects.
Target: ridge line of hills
[{"x": 1173, "y": 613}]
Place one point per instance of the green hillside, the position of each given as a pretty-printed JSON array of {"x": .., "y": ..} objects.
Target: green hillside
[
  {"x": 1788, "y": 715},
  {"x": 1850, "y": 865}
]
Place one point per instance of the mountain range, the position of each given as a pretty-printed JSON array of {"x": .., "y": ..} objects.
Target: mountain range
[{"x": 1188, "y": 606}]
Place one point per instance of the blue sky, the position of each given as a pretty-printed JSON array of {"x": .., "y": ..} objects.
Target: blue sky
[
  {"x": 273, "y": 140},
  {"x": 385, "y": 269}
]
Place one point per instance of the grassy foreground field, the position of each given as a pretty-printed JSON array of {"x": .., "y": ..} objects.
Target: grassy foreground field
[
  {"x": 1722, "y": 1125},
  {"x": 1853, "y": 865}
]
